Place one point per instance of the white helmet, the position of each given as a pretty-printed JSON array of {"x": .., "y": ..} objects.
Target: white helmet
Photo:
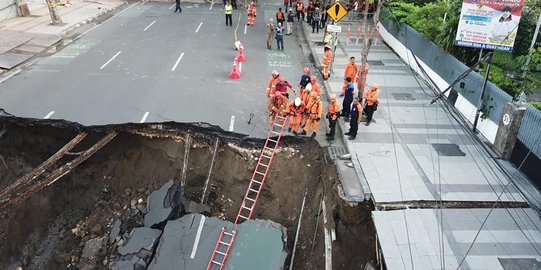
[
  {"x": 298, "y": 102},
  {"x": 308, "y": 87},
  {"x": 275, "y": 73}
]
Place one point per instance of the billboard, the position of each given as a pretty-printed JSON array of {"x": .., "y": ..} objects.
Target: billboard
[{"x": 489, "y": 24}]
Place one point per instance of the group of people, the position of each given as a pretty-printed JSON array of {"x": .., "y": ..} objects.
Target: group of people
[
  {"x": 305, "y": 111},
  {"x": 277, "y": 31}
]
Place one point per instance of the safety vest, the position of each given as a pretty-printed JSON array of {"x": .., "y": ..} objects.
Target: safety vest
[
  {"x": 371, "y": 97},
  {"x": 228, "y": 9},
  {"x": 333, "y": 110},
  {"x": 279, "y": 16},
  {"x": 299, "y": 7}
]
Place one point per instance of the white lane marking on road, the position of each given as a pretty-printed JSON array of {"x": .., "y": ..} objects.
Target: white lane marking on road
[
  {"x": 112, "y": 58},
  {"x": 245, "y": 27},
  {"x": 176, "y": 63},
  {"x": 10, "y": 75},
  {"x": 144, "y": 117},
  {"x": 240, "y": 67},
  {"x": 49, "y": 115},
  {"x": 232, "y": 123},
  {"x": 98, "y": 25},
  {"x": 146, "y": 28},
  {"x": 197, "y": 236},
  {"x": 197, "y": 30},
  {"x": 171, "y": 7}
]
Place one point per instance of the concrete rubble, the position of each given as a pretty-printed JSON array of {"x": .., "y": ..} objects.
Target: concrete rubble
[{"x": 162, "y": 204}]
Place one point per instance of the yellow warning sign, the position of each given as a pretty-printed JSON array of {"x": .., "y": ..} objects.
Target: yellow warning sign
[{"x": 337, "y": 11}]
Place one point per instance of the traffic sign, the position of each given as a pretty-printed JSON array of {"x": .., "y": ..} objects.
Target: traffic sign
[
  {"x": 337, "y": 11},
  {"x": 334, "y": 28}
]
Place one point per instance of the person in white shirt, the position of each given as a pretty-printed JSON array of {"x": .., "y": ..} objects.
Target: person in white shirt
[{"x": 504, "y": 25}]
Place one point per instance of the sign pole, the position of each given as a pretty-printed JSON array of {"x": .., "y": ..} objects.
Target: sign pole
[{"x": 480, "y": 102}]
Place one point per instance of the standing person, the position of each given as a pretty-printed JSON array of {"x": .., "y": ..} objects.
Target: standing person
[
  {"x": 290, "y": 19},
  {"x": 252, "y": 12},
  {"x": 314, "y": 110},
  {"x": 351, "y": 71},
  {"x": 326, "y": 62},
  {"x": 295, "y": 110},
  {"x": 325, "y": 16},
  {"x": 234, "y": 4},
  {"x": 305, "y": 79},
  {"x": 177, "y": 6},
  {"x": 309, "y": 11},
  {"x": 356, "y": 114},
  {"x": 280, "y": 37},
  {"x": 228, "y": 12},
  {"x": 314, "y": 85},
  {"x": 315, "y": 20},
  {"x": 270, "y": 33},
  {"x": 280, "y": 17},
  {"x": 287, "y": 4},
  {"x": 300, "y": 11},
  {"x": 371, "y": 103},
  {"x": 348, "y": 98},
  {"x": 271, "y": 86},
  {"x": 282, "y": 86},
  {"x": 333, "y": 112}
]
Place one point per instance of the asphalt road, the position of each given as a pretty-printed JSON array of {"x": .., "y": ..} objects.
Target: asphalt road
[{"x": 149, "y": 64}]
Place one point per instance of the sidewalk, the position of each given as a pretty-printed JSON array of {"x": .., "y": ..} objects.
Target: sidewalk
[
  {"x": 24, "y": 37},
  {"x": 417, "y": 155}
]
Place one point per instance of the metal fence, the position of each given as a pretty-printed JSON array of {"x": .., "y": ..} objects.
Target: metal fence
[{"x": 530, "y": 130}]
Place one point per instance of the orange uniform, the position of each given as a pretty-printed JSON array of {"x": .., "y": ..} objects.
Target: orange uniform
[
  {"x": 295, "y": 115},
  {"x": 351, "y": 72},
  {"x": 277, "y": 106},
  {"x": 305, "y": 97},
  {"x": 252, "y": 12},
  {"x": 272, "y": 85},
  {"x": 326, "y": 62},
  {"x": 314, "y": 110},
  {"x": 316, "y": 88},
  {"x": 333, "y": 111},
  {"x": 371, "y": 97}
]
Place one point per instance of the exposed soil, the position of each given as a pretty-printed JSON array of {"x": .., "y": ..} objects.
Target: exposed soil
[{"x": 50, "y": 229}]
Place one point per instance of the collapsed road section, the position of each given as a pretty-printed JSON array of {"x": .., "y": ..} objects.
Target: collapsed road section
[{"x": 157, "y": 188}]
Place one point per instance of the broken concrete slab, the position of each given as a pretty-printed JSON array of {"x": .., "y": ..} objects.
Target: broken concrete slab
[
  {"x": 188, "y": 243},
  {"x": 140, "y": 238},
  {"x": 115, "y": 231},
  {"x": 130, "y": 262},
  {"x": 92, "y": 247},
  {"x": 193, "y": 207},
  {"x": 161, "y": 204}
]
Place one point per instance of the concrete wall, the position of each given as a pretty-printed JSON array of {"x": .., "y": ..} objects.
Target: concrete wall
[{"x": 487, "y": 127}]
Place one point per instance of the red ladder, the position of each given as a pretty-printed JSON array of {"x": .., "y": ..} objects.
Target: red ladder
[
  {"x": 221, "y": 251},
  {"x": 252, "y": 194},
  {"x": 261, "y": 170}
]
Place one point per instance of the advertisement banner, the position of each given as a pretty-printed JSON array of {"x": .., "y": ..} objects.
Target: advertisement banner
[{"x": 489, "y": 24}]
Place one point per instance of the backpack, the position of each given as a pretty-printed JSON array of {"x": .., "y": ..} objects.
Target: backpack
[{"x": 279, "y": 15}]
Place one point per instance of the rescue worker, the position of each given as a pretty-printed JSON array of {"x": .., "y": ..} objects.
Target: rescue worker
[
  {"x": 270, "y": 33},
  {"x": 305, "y": 79},
  {"x": 280, "y": 17},
  {"x": 351, "y": 71},
  {"x": 228, "y": 14},
  {"x": 315, "y": 86},
  {"x": 305, "y": 98},
  {"x": 314, "y": 110},
  {"x": 300, "y": 11},
  {"x": 333, "y": 112},
  {"x": 295, "y": 110},
  {"x": 326, "y": 62},
  {"x": 252, "y": 12},
  {"x": 290, "y": 20},
  {"x": 348, "y": 98},
  {"x": 356, "y": 115},
  {"x": 371, "y": 103},
  {"x": 271, "y": 86},
  {"x": 277, "y": 106},
  {"x": 282, "y": 86}
]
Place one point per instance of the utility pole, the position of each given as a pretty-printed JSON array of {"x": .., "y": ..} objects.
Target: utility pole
[
  {"x": 527, "y": 63},
  {"x": 55, "y": 17}
]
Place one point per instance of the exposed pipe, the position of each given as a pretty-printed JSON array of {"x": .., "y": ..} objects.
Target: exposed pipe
[
  {"x": 297, "y": 233},
  {"x": 210, "y": 170},
  {"x": 186, "y": 156},
  {"x": 328, "y": 241},
  {"x": 317, "y": 224}
]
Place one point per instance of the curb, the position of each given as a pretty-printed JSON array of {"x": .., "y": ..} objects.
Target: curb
[
  {"x": 95, "y": 17},
  {"x": 341, "y": 125}
]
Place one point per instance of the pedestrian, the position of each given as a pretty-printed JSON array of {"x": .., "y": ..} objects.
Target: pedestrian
[
  {"x": 282, "y": 86},
  {"x": 228, "y": 12},
  {"x": 314, "y": 110},
  {"x": 315, "y": 20},
  {"x": 326, "y": 62},
  {"x": 277, "y": 106},
  {"x": 333, "y": 112},
  {"x": 234, "y": 4},
  {"x": 290, "y": 20},
  {"x": 356, "y": 114},
  {"x": 295, "y": 110},
  {"x": 280, "y": 17},
  {"x": 309, "y": 11},
  {"x": 305, "y": 79},
  {"x": 300, "y": 11},
  {"x": 270, "y": 33},
  {"x": 252, "y": 12},
  {"x": 348, "y": 98},
  {"x": 371, "y": 103},
  {"x": 325, "y": 16},
  {"x": 177, "y": 6},
  {"x": 287, "y": 4},
  {"x": 280, "y": 37},
  {"x": 314, "y": 85},
  {"x": 351, "y": 72},
  {"x": 271, "y": 86}
]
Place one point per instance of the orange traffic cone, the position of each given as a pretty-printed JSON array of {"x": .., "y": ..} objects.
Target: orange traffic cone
[
  {"x": 235, "y": 74},
  {"x": 240, "y": 54}
]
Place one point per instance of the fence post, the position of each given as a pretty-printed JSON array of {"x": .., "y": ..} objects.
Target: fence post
[{"x": 508, "y": 130}]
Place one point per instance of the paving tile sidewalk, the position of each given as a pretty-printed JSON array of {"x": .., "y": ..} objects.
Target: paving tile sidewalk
[{"x": 23, "y": 37}]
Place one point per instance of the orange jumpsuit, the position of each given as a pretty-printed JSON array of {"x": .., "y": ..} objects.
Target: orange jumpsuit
[
  {"x": 252, "y": 12},
  {"x": 277, "y": 106},
  {"x": 326, "y": 62},
  {"x": 351, "y": 72},
  {"x": 272, "y": 85},
  {"x": 295, "y": 115},
  {"x": 316, "y": 88},
  {"x": 314, "y": 110}
]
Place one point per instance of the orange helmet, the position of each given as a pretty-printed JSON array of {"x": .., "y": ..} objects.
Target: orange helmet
[
  {"x": 306, "y": 70},
  {"x": 313, "y": 78}
]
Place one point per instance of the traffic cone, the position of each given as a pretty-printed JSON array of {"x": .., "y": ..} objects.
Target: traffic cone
[
  {"x": 240, "y": 54},
  {"x": 235, "y": 74}
]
